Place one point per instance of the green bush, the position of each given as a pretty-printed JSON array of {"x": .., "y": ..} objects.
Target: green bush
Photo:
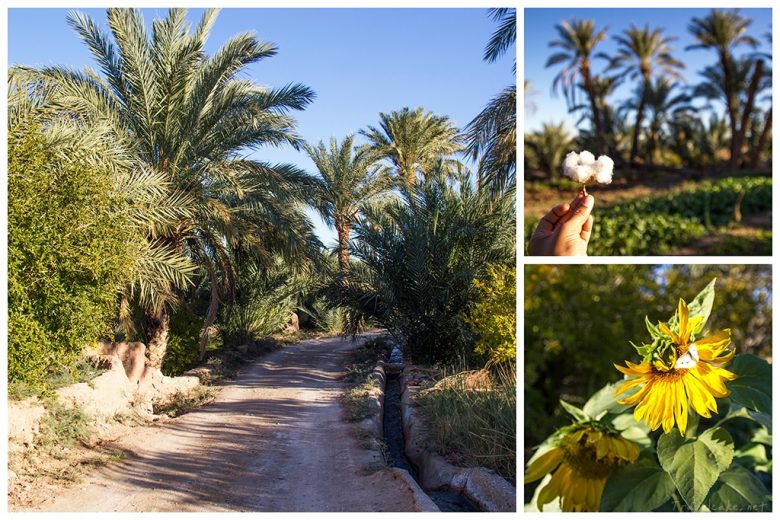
[
  {"x": 324, "y": 316},
  {"x": 264, "y": 300},
  {"x": 493, "y": 318},
  {"x": 69, "y": 250},
  {"x": 657, "y": 226},
  {"x": 183, "y": 341}
]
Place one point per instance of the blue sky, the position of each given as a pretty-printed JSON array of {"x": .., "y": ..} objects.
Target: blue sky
[
  {"x": 360, "y": 62},
  {"x": 540, "y": 30}
]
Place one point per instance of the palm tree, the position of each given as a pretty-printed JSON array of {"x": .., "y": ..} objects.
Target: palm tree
[
  {"x": 643, "y": 54},
  {"x": 662, "y": 103},
  {"x": 548, "y": 146},
  {"x": 505, "y": 35},
  {"x": 723, "y": 31},
  {"x": 417, "y": 257},
  {"x": 189, "y": 117},
  {"x": 603, "y": 87},
  {"x": 755, "y": 156},
  {"x": 492, "y": 135},
  {"x": 347, "y": 183},
  {"x": 577, "y": 39},
  {"x": 413, "y": 141}
]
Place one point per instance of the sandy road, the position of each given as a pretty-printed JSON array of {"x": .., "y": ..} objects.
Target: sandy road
[{"x": 273, "y": 440}]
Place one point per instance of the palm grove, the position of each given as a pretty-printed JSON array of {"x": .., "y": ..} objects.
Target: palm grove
[
  {"x": 135, "y": 211},
  {"x": 659, "y": 123}
]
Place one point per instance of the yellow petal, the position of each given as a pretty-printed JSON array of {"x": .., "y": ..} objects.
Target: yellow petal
[
  {"x": 543, "y": 465},
  {"x": 711, "y": 346},
  {"x": 681, "y": 407},
  {"x": 666, "y": 330},
  {"x": 630, "y": 383},
  {"x": 683, "y": 325},
  {"x": 552, "y": 489},
  {"x": 632, "y": 400}
]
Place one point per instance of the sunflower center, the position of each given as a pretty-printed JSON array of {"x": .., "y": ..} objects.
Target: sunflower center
[
  {"x": 582, "y": 458},
  {"x": 669, "y": 376}
]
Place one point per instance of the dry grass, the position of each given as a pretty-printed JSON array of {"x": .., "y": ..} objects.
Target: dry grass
[{"x": 472, "y": 419}]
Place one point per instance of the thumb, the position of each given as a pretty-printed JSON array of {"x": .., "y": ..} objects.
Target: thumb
[{"x": 580, "y": 216}]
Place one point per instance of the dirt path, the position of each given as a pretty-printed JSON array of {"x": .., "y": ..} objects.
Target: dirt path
[{"x": 273, "y": 440}]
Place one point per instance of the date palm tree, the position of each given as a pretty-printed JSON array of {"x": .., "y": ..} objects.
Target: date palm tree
[
  {"x": 491, "y": 137},
  {"x": 644, "y": 54},
  {"x": 663, "y": 100},
  {"x": 413, "y": 141},
  {"x": 190, "y": 117},
  {"x": 577, "y": 40},
  {"x": 603, "y": 86},
  {"x": 723, "y": 31},
  {"x": 347, "y": 183},
  {"x": 548, "y": 146},
  {"x": 418, "y": 256}
]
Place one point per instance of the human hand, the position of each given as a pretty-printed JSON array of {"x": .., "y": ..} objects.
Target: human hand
[{"x": 565, "y": 230}]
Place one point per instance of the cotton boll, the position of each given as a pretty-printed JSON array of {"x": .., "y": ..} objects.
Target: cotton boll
[
  {"x": 587, "y": 158},
  {"x": 584, "y": 168},
  {"x": 571, "y": 161},
  {"x": 574, "y": 168},
  {"x": 603, "y": 169},
  {"x": 582, "y": 173}
]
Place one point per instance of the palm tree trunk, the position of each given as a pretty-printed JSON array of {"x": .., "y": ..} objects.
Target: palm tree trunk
[
  {"x": 157, "y": 328},
  {"x": 758, "y": 72},
  {"x": 211, "y": 314},
  {"x": 756, "y": 156},
  {"x": 637, "y": 126},
  {"x": 597, "y": 123},
  {"x": 732, "y": 105},
  {"x": 343, "y": 230}
]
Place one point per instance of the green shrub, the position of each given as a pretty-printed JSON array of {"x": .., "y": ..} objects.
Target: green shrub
[
  {"x": 493, "y": 317},
  {"x": 325, "y": 317},
  {"x": 69, "y": 250},
  {"x": 183, "y": 341},
  {"x": 62, "y": 427},
  {"x": 264, "y": 300}
]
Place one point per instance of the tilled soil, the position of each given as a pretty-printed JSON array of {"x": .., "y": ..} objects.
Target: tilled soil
[{"x": 273, "y": 440}]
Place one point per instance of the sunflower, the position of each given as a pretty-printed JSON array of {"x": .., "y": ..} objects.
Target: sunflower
[
  {"x": 584, "y": 457},
  {"x": 680, "y": 371}
]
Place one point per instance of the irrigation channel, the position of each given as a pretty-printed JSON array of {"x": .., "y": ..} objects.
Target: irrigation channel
[{"x": 447, "y": 501}]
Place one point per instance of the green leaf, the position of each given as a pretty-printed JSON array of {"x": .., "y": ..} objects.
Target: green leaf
[
  {"x": 575, "y": 412},
  {"x": 654, "y": 331},
  {"x": 642, "y": 486},
  {"x": 632, "y": 430},
  {"x": 762, "y": 436},
  {"x": 702, "y": 305},
  {"x": 752, "y": 456},
  {"x": 643, "y": 350},
  {"x": 737, "y": 489},
  {"x": 737, "y": 411},
  {"x": 605, "y": 401},
  {"x": 694, "y": 464},
  {"x": 753, "y": 386}
]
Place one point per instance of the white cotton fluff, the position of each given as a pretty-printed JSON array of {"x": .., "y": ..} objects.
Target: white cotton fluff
[
  {"x": 585, "y": 168},
  {"x": 604, "y": 167}
]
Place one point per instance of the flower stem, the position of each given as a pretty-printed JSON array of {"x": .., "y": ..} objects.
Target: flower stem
[{"x": 677, "y": 502}]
